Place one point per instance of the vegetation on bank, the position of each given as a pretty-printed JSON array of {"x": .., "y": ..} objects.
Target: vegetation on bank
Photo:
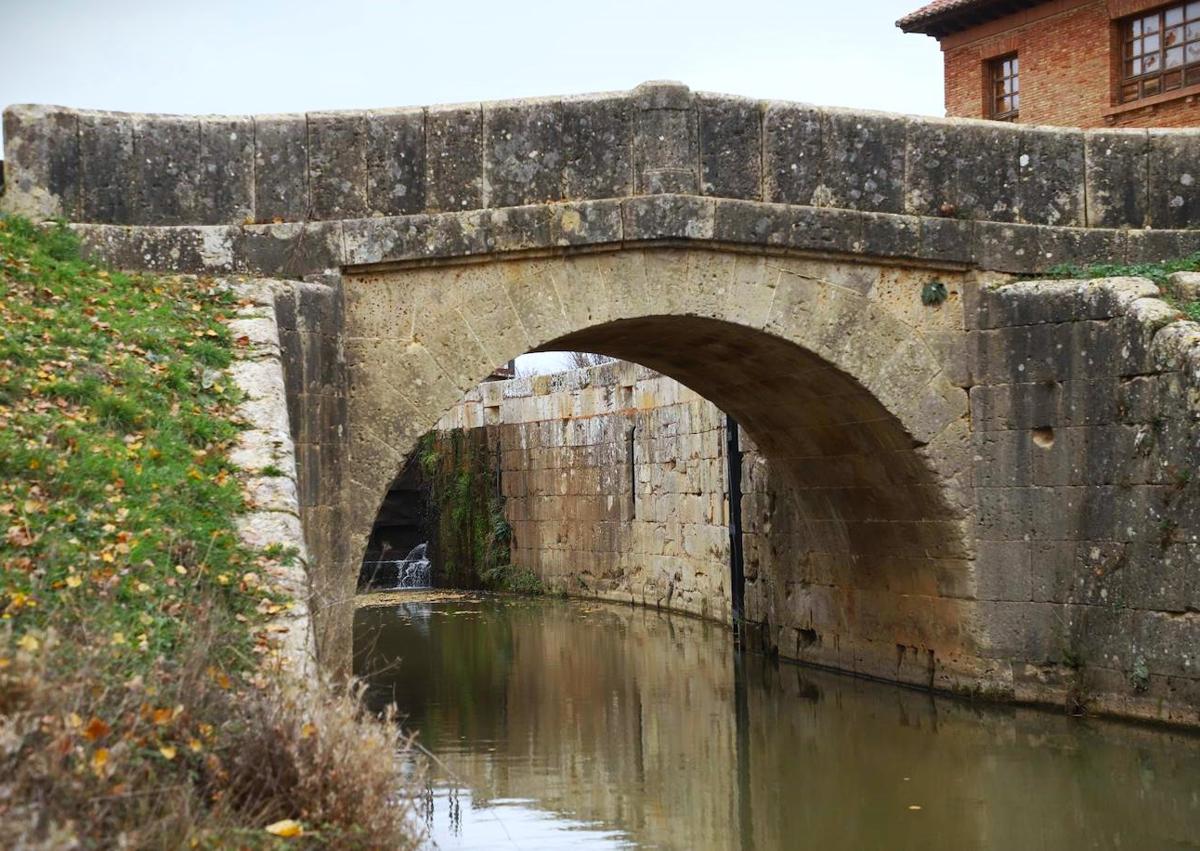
[
  {"x": 471, "y": 536},
  {"x": 136, "y": 705},
  {"x": 1156, "y": 272}
]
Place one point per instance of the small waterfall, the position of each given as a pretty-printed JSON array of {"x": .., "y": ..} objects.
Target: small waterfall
[{"x": 412, "y": 571}]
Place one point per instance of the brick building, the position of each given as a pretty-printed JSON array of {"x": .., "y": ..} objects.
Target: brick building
[{"x": 1083, "y": 63}]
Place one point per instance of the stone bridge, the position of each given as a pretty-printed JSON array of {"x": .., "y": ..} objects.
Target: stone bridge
[{"x": 991, "y": 492}]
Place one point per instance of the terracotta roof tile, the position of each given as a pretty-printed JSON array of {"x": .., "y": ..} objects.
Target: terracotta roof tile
[
  {"x": 934, "y": 9},
  {"x": 939, "y": 17}
]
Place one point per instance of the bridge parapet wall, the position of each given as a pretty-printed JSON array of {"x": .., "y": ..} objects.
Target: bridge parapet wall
[{"x": 288, "y": 194}]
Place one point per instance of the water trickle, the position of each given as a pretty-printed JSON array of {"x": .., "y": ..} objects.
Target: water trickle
[{"x": 412, "y": 571}]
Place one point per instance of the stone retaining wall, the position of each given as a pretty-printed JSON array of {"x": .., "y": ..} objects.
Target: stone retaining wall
[
  {"x": 614, "y": 482},
  {"x": 1086, "y": 430}
]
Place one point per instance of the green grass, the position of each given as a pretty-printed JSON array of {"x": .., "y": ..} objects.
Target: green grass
[
  {"x": 1156, "y": 272},
  {"x": 134, "y": 701},
  {"x": 115, "y": 491}
]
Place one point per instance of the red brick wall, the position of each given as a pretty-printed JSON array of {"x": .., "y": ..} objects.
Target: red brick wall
[{"x": 1067, "y": 72}]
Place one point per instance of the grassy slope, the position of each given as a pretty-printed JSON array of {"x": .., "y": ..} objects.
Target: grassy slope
[
  {"x": 132, "y": 701},
  {"x": 114, "y": 487}
]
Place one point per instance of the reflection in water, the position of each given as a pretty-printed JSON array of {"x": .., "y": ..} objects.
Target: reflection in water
[{"x": 575, "y": 723}]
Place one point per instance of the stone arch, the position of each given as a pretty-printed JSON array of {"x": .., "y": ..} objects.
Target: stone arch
[{"x": 838, "y": 379}]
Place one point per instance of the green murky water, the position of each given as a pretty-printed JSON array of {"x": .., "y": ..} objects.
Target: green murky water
[{"x": 573, "y": 724}]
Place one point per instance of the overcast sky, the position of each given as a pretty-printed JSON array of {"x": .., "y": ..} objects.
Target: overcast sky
[
  {"x": 248, "y": 56},
  {"x": 222, "y": 56}
]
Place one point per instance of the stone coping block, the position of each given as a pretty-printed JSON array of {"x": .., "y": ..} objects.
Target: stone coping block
[{"x": 118, "y": 168}]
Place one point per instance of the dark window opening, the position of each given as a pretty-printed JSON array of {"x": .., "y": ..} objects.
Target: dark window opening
[
  {"x": 1004, "y": 91},
  {"x": 1160, "y": 52}
]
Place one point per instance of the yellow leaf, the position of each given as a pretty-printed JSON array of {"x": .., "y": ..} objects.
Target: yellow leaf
[
  {"x": 181, "y": 570},
  {"x": 308, "y": 730},
  {"x": 195, "y": 745},
  {"x": 286, "y": 828},
  {"x": 74, "y": 581},
  {"x": 117, "y": 638},
  {"x": 99, "y": 760},
  {"x": 28, "y": 643},
  {"x": 75, "y": 721},
  {"x": 167, "y": 751}
]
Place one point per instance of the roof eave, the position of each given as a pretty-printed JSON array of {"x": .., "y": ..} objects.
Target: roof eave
[{"x": 941, "y": 24}]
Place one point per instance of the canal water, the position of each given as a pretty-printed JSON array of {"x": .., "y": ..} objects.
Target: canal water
[{"x": 562, "y": 724}]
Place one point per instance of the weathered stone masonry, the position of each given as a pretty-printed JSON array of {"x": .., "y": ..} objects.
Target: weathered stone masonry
[
  {"x": 292, "y": 195},
  {"x": 991, "y": 494},
  {"x": 1084, "y": 449},
  {"x": 614, "y": 484}
]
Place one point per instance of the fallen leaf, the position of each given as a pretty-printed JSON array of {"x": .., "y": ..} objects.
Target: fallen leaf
[
  {"x": 97, "y": 728},
  {"x": 19, "y": 536},
  {"x": 167, "y": 751},
  {"x": 286, "y": 828}
]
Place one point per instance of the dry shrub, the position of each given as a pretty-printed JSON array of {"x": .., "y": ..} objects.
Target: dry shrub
[
  {"x": 189, "y": 757},
  {"x": 314, "y": 755}
]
